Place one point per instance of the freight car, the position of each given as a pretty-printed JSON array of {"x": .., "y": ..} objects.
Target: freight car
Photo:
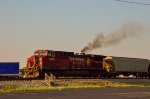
[
  {"x": 61, "y": 63},
  {"x": 114, "y": 66},
  {"x": 9, "y": 70}
]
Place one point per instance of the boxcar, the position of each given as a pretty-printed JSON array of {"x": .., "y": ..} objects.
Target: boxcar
[{"x": 9, "y": 70}]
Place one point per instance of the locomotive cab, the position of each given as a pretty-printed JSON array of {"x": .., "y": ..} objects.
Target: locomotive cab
[{"x": 34, "y": 67}]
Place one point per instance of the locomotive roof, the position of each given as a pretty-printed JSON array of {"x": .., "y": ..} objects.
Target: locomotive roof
[
  {"x": 80, "y": 54},
  {"x": 52, "y": 51}
]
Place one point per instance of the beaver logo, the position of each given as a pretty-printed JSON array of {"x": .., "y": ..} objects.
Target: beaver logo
[{"x": 88, "y": 61}]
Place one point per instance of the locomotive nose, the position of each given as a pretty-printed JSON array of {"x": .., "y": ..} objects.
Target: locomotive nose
[{"x": 40, "y": 59}]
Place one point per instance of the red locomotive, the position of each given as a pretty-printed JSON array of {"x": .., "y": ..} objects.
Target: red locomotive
[{"x": 61, "y": 63}]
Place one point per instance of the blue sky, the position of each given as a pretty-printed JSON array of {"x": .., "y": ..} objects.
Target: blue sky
[{"x": 68, "y": 25}]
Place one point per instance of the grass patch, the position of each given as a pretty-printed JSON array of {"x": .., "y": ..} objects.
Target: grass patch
[
  {"x": 7, "y": 88},
  {"x": 19, "y": 89}
]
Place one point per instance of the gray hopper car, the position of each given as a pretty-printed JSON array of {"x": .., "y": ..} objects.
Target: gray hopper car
[{"x": 127, "y": 66}]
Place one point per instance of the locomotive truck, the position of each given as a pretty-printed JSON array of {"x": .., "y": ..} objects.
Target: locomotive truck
[{"x": 62, "y": 63}]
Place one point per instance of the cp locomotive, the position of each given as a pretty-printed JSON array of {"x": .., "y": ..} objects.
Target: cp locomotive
[{"x": 62, "y": 63}]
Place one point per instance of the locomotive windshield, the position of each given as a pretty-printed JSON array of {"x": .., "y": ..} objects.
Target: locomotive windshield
[{"x": 40, "y": 54}]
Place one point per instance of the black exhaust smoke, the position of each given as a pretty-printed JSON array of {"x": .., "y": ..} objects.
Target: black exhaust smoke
[{"x": 114, "y": 38}]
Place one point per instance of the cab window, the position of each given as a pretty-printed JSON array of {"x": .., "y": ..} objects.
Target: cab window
[{"x": 36, "y": 54}]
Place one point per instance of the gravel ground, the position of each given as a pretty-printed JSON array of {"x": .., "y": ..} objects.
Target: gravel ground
[
  {"x": 101, "y": 82},
  {"x": 23, "y": 83}
]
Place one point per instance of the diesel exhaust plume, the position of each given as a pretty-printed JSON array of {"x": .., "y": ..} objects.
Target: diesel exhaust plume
[{"x": 113, "y": 38}]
